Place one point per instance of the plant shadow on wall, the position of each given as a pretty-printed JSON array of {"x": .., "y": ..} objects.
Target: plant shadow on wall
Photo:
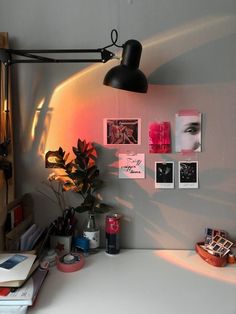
[
  {"x": 155, "y": 220},
  {"x": 139, "y": 213},
  {"x": 165, "y": 219}
]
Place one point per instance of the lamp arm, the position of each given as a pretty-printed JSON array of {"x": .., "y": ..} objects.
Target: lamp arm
[
  {"x": 33, "y": 56},
  {"x": 9, "y": 57}
]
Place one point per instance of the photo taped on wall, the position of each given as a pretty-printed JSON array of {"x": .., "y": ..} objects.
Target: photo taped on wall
[
  {"x": 164, "y": 175},
  {"x": 122, "y": 131},
  {"x": 188, "y": 174},
  {"x": 188, "y": 131}
]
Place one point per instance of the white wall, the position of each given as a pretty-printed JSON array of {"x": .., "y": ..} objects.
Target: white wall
[{"x": 189, "y": 56}]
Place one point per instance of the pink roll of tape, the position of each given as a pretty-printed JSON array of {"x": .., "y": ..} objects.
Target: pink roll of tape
[{"x": 70, "y": 267}]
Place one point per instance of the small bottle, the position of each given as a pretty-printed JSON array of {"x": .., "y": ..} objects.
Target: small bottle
[{"x": 92, "y": 232}]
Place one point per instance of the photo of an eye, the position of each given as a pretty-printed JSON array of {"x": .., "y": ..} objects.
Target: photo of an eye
[
  {"x": 188, "y": 132},
  {"x": 193, "y": 128}
]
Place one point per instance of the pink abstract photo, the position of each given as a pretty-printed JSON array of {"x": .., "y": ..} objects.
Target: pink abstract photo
[{"x": 122, "y": 131}]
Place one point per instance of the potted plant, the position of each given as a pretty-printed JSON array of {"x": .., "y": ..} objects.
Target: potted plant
[{"x": 81, "y": 175}]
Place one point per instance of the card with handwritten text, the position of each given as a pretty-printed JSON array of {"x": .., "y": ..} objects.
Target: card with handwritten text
[{"x": 131, "y": 166}]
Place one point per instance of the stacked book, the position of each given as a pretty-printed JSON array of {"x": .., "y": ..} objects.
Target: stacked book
[{"x": 21, "y": 279}]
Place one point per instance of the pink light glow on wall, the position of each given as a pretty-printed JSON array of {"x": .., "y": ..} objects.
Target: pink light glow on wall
[{"x": 79, "y": 105}]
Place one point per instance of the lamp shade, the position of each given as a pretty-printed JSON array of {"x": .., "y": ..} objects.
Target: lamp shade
[{"x": 127, "y": 75}]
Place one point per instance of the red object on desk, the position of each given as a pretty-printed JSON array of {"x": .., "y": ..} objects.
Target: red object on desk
[
  {"x": 209, "y": 258},
  {"x": 68, "y": 268},
  {"x": 4, "y": 291}
]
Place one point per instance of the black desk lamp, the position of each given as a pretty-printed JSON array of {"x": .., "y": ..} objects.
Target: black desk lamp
[{"x": 125, "y": 76}]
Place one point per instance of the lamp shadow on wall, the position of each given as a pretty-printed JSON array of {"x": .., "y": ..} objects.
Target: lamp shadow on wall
[
  {"x": 189, "y": 38},
  {"x": 206, "y": 64}
]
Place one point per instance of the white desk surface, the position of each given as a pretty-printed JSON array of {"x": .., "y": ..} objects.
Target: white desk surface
[{"x": 138, "y": 282}]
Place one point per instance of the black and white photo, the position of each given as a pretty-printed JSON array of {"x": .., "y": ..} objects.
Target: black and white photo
[
  {"x": 188, "y": 174},
  {"x": 164, "y": 175}
]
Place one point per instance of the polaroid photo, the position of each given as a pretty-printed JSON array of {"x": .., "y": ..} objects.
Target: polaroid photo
[
  {"x": 222, "y": 241},
  {"x": 210, "y": 233},
  {"x": 223, "y": 250},
  {"x": 220, "y": 245},
  {"x": 164, "y": 175},
  {"x": 221, "y": 233},
  {"x": 228, "y": 244},
  {"x": 217, "y": 238},
  {"x": 208, "y": 240},
  {"x": 208, "y": 236},
  {"x": 122, "y": 131},
  {"x": 216, "y": 247},
  {"x": 188, "y": 174},
  {"x": 212, "y": 244}
]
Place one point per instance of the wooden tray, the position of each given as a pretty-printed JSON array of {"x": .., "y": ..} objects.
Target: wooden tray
[{"x": 209, "y": 258}]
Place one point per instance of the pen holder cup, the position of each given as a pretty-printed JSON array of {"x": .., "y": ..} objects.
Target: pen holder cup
[{"x": 61, "y": 244}]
